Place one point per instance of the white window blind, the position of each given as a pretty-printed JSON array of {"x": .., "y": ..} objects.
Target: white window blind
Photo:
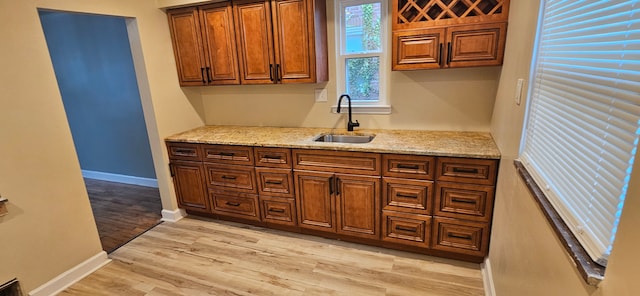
[{"x": 582, "y": 123}]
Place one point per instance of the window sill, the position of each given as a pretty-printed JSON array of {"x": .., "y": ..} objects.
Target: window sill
[
  {"x": 378, "y": 109},
  {"x": 590, "y": 271}
]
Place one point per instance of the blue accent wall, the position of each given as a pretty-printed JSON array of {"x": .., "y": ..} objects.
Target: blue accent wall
[{"x": 92, "y": 60}]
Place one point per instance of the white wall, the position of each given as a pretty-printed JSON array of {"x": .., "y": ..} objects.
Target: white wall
[
  {"x": 525, "y": 255},
  {"x": 50, "y": 226}
]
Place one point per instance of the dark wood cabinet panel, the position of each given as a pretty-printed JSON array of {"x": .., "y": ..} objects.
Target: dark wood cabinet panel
[
  {"x": 189, "y": 182},
  {"x": 434, "y": 34},
  {"x": 278, "y": 210},
  {"x": 467, "y": 170},
  {"x": 275, "y": 182},
  {"x": 204, "y": 44},
  {"x": 272, "y": 157},
  {"x": 408, "y": 166},
  {"x": 314, "y": 200},
  {"x": 184, "y": 151},
  {"x": 184, "y": 24},
  {"x": 254, "y": 35},
  {"x": 407, "y": 195},
  {"x": 244, "y": 206},
  {"x": 239, "y": 155},
  {"x": 470, "y": 238},
  {"x": 337, "y": 161},
  {"x": 358, "y": 205},
  {"x": 464, "y": 201},
  {"x": 406, "y": 229},
  {"x": 231, "y": 177}
]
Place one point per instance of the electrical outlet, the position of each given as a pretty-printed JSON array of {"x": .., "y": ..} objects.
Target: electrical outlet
[
  {"x": 321, "y": 95},
  {"x": 518, "y": 95}
]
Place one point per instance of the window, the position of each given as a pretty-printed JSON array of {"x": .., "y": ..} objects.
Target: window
[
  {"x": 582, "y": 125},
  {"x": 360, "y": 51}
]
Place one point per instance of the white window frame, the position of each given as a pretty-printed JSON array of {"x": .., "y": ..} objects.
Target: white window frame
[
  {"x": 570, "y": 83},
  {"x": 382, "y": 106}
]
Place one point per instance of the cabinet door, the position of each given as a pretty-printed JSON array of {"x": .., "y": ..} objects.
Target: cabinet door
[
  {"x": 220, "y": 41},
  {"x": 293, "y": 43},
  {"x": 255, "y": 40},
  {"x": 314, "y": 192},
  {"x": 189, "y": 182},
  {"x": 184, "y": 25},
  {"x": 358, "y": 205},
  {"x": 476, "y": 45},
  {"x": 418, "y": 49}
]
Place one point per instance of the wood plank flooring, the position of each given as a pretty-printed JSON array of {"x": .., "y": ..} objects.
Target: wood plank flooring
[
  {"x": 210, "y": 257},
  {"x": 122, "y": 211}
]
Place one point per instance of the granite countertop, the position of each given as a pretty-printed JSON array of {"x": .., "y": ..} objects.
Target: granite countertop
[{"x": 436, "y": 143}]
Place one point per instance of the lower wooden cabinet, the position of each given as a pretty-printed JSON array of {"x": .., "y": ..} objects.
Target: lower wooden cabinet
[
  {"x": 189, "y": 181},
  {"x": 434, "y": 205}
]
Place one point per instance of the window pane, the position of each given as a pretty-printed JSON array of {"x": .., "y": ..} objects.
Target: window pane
[
  {"x": 363, "y": 78},
  {"x": 362, "y": 30}
]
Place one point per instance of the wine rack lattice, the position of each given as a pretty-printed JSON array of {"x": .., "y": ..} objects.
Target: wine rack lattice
[{"x": 411, "y": 11}]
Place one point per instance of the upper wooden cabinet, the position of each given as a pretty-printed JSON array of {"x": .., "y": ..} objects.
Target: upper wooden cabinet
[
  {"x": 433, "y": 34},
  {"x": 251, "y": 42},
  {"x": 281, "y": 41},
  {"x": 204, "y": 44}
]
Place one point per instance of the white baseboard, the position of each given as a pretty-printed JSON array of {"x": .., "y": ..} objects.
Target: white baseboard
[
  {"x": 173, "y": 216},
  {"x": 71, "y": 276},
  {"x": 487, "y": 278},
  {"x": 148, "y": 182}
]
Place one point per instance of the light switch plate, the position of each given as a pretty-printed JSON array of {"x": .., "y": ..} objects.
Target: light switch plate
[{"x": 321, "y": 94}]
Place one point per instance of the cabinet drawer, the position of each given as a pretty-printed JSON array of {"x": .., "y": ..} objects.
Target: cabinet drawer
[
  {"x": 278, "y": 210},
  {"x": 460, "y": 236},
  {"x": 408, "y": 166},
  {"x": 272, "y": 157},
  {"x": 467, "y": 170},
  {"x": 464, "y": 201},
  {"x": 235, "y": 205},
  {"x": 337, "y": 161},
  {"x": 184, "y": 151},
  {"x": 238, "y": 178},
  {"x": 411, "y": 196},
  {"x": 239, "y": 155},
  {"x": 406, "y": 229},
  {"x": 275, "y": 182}
]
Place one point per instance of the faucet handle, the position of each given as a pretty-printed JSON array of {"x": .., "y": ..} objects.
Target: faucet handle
[{"x": 356, "y": 123}]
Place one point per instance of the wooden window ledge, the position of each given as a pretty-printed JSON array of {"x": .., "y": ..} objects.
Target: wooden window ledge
[{"x": 590, "y": 271}]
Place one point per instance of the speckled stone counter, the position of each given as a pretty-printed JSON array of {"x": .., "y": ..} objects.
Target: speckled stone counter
[{"x": 435, "y": 143}]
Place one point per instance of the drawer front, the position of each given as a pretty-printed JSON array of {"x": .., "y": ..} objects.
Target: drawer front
[
  {"x": 408, "y": 166},
  {"x": 460, "y": 236},
  {"x": 406, "y": 229},
  {"x": 337, "y": 161},
  {"x": 184, "y": 151},
  {"x": 275, "y": 182},
  {"x": 411, "y": 196},
  {"x": 235, "y": 205},
  {"x": 467, "y": 170},
  {"x": 238, "y": 178},
  {"x": 464, "y": 201},
  {"x": 239, "y": 155},
  {"x": 278, "y": 210},
  {"x": 272, "y": 157}
]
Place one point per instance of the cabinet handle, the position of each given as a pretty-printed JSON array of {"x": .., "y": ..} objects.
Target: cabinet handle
[
  {"x": 408, "y": 166},
  {"x": 440, "y": 54},
  {"x": 233, "y": 204},
  {"x": 272, "y": 157},
  {"x": 278, "y": 74},
  {"x": 209, "y": 74},
  {"x": 467, "y": 201},
  {"x": 273, "y": 182},
  {"x": 465, "y": 170},
  {"x": 455, "y": 235},
  {"x": 448, "y": 53},
  {"x": 271, "y": 72},
  {"x": 171, "y": 171},
  {"x": 337, "y": 186},
  {"x": 410, "y": 229},
  {"x": 226, "y": 153},
  {"x": 406, "y": 195},
  {"x": 202, "y": 74},
  {"x": 184, "y": 151},
  {"x": 276, "y": 210},
  {"x": 229, "y": 177},
  {"x": 331, "y": 185}
]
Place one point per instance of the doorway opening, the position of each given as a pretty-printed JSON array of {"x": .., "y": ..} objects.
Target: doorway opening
[{"x": 93, "y": 63}]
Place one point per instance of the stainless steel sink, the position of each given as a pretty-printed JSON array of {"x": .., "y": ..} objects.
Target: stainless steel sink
[{"x": 351, "y": 139}]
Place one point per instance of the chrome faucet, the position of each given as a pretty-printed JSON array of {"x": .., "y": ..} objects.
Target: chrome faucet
[{"x": 350, "y": 124}]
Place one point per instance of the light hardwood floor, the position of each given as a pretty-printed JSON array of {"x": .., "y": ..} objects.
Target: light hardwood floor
[{"x": 210, "y": 257}]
